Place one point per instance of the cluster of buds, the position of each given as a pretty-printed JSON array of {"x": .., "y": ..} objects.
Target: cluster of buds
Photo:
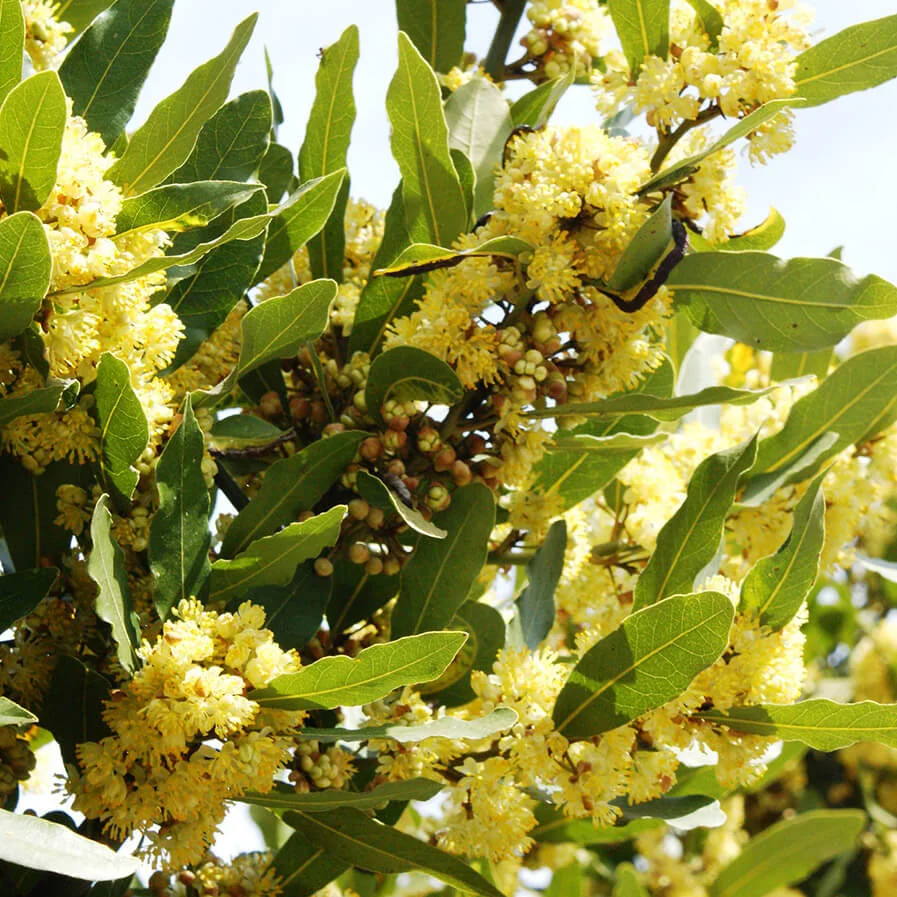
[
  {"x": 528, "y": 354},
  {"x": 16, "y": 761},
  {"x": 317, "y": 768}
]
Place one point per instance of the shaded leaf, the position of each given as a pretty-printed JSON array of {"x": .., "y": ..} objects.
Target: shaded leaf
[
  {"x": 11, "y": 714},
  {"x": 710, "y": 19},
  {"x": 303, "y": 868},
  {"x": 376, "y": 492},
  {"x": 25, "y": 269},
  {"x": 535, "y": 107},
  {"x": 536, "y": 602},
  {"x": 21, "y": 592},
  {"x": 436, "y": 28},
  {"x": 643, "y": 27},
  {"x": 357, "y": 595},
  {"x": 39, "y": 401},
  {"x": 276, "y": 171},
  {"x": 286, "y": 798},
  {"x": 645, "y": 250},
  {"x": 791, "y": 365}
]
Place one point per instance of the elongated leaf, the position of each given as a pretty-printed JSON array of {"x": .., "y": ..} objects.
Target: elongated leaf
[
  {"x": 856, "y": 58},
  {"x": 615, "y": 443},
  {"x": 788, "y": 852},
  {"x": 80, "y": 13},
  {"x": 21, "y": 592},
  {"x": 690, "y": 538},
  {"x": 479, "y": 123},
  {"x": 25, "y": 269},
  {"x": 276, "y": 171},
  {"x": 357, "y": 595},
  {"x": 286, "y": 798},
  {"x": 231, "y": 143},
  {"x": 376, "y": 492},
  {"x": 436, "y": 580},
  {"x": 435, "y": 210},
  {"x": 536, "y": 603},
  {"x": 61, "y": 850},
  {"x": 535, "y": 107},
  {"x": 643, "y": 27},
  {"x": 272, "y": 560},
  {"x": 646, "y": 249},
  {"x": 12, "y": 45},
  {"x": 302, "y": 868},
  {"x": 436, "y": 28},
  {"x": 817, "y": 723},
  {"x": 106, "y": 68},
  {"x": 32, "y": 120},
  {"x": 39, "y": 401},
  {"x": 326, "y": 146},
  {"x": 554, "y": 827},
  {"x": 794, "y": 305},
  {"x": 499, "y": 720},
  {"x": 710, "y": 19},
  {"x": 106, "y": 566},
  {"x": 776, "y": 586},
  {"x": 123, "y": 428},
  {"x": 74, "y": 706},
  {"x": 352, "y": 837},
  {"x": 344, "y": 681},
  {"x": 179, "y": 531},
  {"x": 407, "y": 374},
  {"x": 762, "y": 237},
  {"x": 299, "y": 218},
  {"x": 11, "y": 714},
  {"x": 649, "y": 660},
  {"x": 178, "y": 207},
  {"x": 291, "y": 486},
  {"x": 790, "y": 365},
  {"x": 167, "y": 138},
  {"x": 419, "y": 258}
]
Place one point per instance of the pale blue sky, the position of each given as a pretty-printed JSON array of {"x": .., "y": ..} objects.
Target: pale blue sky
[{"x": 837, "y": 186}]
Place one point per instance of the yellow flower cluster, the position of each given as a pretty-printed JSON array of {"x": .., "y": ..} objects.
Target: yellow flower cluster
[
  {"x": 565, "y": 34},
  {"x": 45, "y": 36},
  {"x": 16, "y": 760},
  {"x": 156, "y": 773}
]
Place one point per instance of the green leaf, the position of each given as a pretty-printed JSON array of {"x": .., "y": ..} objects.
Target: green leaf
[
  {"x": 11, "y": 714},
  {"x": 408, "y": 374},
  {"x": 326, "y": 146},
  {"x": 32, "y": 120},
  {"x": 499, "y": 720},
  {"x": 376, "y": 492},
  {"x": 80, "y": 13},
  {"x": 534, "y": 108},
  {"x": 627, "y": 883},
  {"x": 104, "y": 71},
  {"x": 554, "y": 827},
  {"x": 343, "y": 681},
  {"x": 352, "y": 837},
  {"x": 436, "y": 27},
  {"x": 762, "y": 237},
  {"x": 818, "y": 723},
  {"x": 179, "y": 207},
  {"x": 710, "y": 19},
  {"x": 418, "y": 258},
  {"x": 12, "y": 45},
  {"x": 536, "y": 602},
  {"x": 167, "y": 138},
  {"x": 231, "y": 143},
  {"x": 436, "y": 580},
  {"x": 689, "y": 540},
  {"x": 291, "y": 485},
  {"x": 435, "y": 210},
  {"x": 303, "y": 869},
  {"x": 286, "y": 798},
  {"x": 788, "y": 852},
  {"x": 74, "y": 706},
  {"x": 123, "y": 427},
  {"x": 25, "y": 269},
  {"x": 856, "y": 58},
  {"x": 357, "y": 595},
  {"x": 479, "y": 123},
  {"x": 645, "y": 251},
  {"x": 791, "y": 365},
  {"x": 42, "y": 400},
  {"x": 614, "y": 444},
  {"x": 648, "y": 660},
  {"x": 273, "y": 560},
  {"x": 467, "y": 178},
  {"x": 21, "y": 592},
  {"x": 792, "y": 305},
  {"x": 643, "y": 27},
  {"x": 244, "y": 429},
  {"x": 276, "y": 171},
  {"x": 106, "y": 566},
  {"x": 298, "y": 219},
  {"x": 179, "y": 537},
  {"x": 776, "y": 586},
  {"x": 61, "y": 850}
]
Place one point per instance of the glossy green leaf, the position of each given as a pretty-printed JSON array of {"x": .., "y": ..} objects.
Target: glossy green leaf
[
  {"x": 326, "y": 146},
  {"x": 856, "y": 58},
  {"x": 689, "y": 540},
  {"x": 436, "y": 580},
  {"x": 436, "y": 27},
  {"x": 710, "y": 19},
  {"x": 105, "y": 70},
  {"x": 627, "y": 883},
  {"x": 435, "y": 210},
  {"x": 776, "y": 586},
  {"x": 791, "y": 365},
  {"x": 106, "y": 566},
  {"x": 61, "y": 850},
  {"x": 344, "y": 681},
  {"x": 499, "y": 720},
  {"x": 231, "y": 143},
  {"x": 21, "y": 592},
  {"x": 179, "y": 537},
  {"x": 479, "y": 123},
  {"x": 11, "y": 714},
  {"x": 25, "y": 269},
  {"x": 352, "y": 837},
  {"x": 555, "y": 827},
  {"x": 534, "y": 108},
  {"x": 123, "y": 428},
  {"x": 291, "y": 485},
  {"x": 74, "y": 706},
  {"x": 645, "y": 251},
  {"x": 286, "y": 798},
  {"x": 792, "y": 305},
  {"x": 167, "y": 138},
  {"x": 818, "y": 723},
  {"x": 405, "y": 374},
  {"x": 303, "y": 868},
  {"x": 298, "y": 219},
  {"x": 648, "y": 660},
  {"x": 32, "y": 120},
  {"x": 357, "y": 595},
  {"x": 418, "y": 258},
  {"x": 788, "y": 852},
  {"x": 12, "y": 45},
  {"x": 536, "y": 602},
  {"x": 272, "y": 560},
  {"x": 376, "y": 492},
  {"x": 643, "y": 27}
]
